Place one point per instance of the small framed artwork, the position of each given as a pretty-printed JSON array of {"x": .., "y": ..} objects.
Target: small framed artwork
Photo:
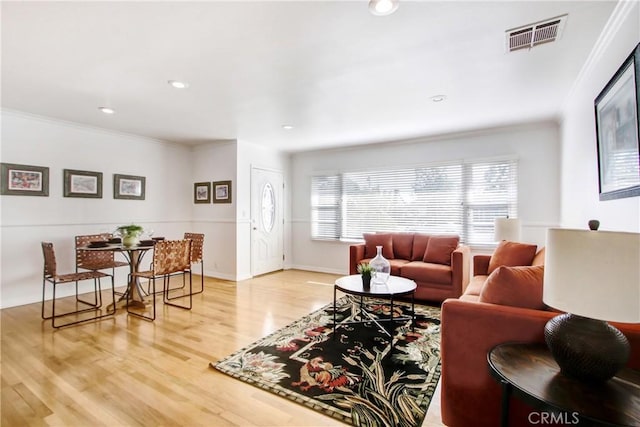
[
  {"x": 24, "y": 180},
  {"x": 617, "y": 130},
  {"x": 222, "y": 192},
  {"x": 128, "y": 187},
  {"x": 202, "y": 192},
  {"x": 82, "y": 184}
]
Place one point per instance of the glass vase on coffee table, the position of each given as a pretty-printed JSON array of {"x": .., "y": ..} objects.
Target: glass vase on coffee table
[{"x": 382, "y": 268}]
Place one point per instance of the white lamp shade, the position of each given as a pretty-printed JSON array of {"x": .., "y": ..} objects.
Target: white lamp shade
[
  {"x": 506, "y": 229},
  {"x": 593, "y": 274}
]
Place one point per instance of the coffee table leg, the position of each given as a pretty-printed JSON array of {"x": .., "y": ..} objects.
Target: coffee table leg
[
  {"x": 413, "y": 312},
  {"x": 506, "y": 394},
  {"x": 392, "y": 331},
  {"x": 334, "y": 311}
]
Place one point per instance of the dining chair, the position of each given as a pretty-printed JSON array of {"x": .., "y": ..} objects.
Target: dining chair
[
  {"x": 197, "y": 243},
  {"x": 182, "y": 261},
  {"x": 51, "y": 275},
  {"x": 96, "y": 260},
  {"x": 169, "y": 257}
]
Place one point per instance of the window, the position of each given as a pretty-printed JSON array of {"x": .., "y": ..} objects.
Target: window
[{"x": 460, "y": 198}]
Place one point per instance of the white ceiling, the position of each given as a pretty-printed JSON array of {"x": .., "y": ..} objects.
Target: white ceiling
[{"x": 338, "y": 74}]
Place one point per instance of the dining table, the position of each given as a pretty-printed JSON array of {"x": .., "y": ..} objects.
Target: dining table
[{"x": 134, "y": 255}]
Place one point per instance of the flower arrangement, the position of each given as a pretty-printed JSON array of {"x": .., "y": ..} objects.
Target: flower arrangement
[
  {"x": 130, "y": 234},
  {"x": 365, "y": 269},
  {"x": 366, "y": 272},
  {"x": 130, "y": 230}
]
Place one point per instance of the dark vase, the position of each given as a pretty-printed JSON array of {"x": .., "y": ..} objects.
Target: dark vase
[{"x": 366, "y": 282}]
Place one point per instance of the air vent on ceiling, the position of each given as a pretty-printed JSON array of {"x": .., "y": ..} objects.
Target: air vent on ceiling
[{"x": 531, "y": 35}]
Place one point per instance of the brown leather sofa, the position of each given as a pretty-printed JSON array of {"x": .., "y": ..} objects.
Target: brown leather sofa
[
  {"x": 438, "y": 264},
  {"x": 470, "y": 329}
]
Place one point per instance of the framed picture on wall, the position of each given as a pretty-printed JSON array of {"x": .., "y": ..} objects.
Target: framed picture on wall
[
  {"x": 202, "y": 192},
  {"x": 222, "y": 192},
  {"x": 617, "y": 130},
  {"x": 82, "y": 184},
  {"x": 24, "y": 180},
  {"x": 128, "y": 187}
]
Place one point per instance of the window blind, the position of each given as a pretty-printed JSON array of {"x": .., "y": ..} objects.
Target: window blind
[
  {"x": 460, "y": 198},
  {"x": 325, "y": 207},
  {"x": 491, "y": 191}
]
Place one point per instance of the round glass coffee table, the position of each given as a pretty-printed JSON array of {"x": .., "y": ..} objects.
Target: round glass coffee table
[{"x": 395, "y": 287}]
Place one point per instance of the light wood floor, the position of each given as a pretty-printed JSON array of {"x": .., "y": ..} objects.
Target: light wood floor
[{"x": 123, "y": 371}]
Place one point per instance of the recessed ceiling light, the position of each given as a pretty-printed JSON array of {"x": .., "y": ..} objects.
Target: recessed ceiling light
[
  {"x": 106, "y": 110},
  {"x": 178, "y": 84},
  {"x": 287, "y": 127},
  {"x": 438, "y": 98},
  {"x": 383, "y": 7}
]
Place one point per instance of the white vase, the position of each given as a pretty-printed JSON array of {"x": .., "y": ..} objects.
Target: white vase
[
  {"x": 382, "y": 268},
  {"x": 130, "y": 240}
]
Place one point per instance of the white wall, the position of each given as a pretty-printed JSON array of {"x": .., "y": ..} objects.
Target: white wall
[
  {"x": 537, "y": 147},
  {"x": 217, "y": 161},
  {"x": 580, "y": 199},
  {"x": 28, "y": 220}
]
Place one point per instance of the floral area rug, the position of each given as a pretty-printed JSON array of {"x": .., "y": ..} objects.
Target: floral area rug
[{"x": 353, "y": 375}]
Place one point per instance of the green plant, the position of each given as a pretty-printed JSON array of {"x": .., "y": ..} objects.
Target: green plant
[
  {"x": 130, "y": 230},
  {"x": 365, "y": 269}
]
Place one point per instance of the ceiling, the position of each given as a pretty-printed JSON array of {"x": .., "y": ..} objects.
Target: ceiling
[{"x": 337, "y": 74}]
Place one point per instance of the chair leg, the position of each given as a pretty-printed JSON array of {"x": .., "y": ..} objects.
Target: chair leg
[
  {"x": 166, "y": 297},
  {"x": 44, "y": 286},
  {"x": 166, "y": 282},
  {"x": 153, "y": 297},
  {"x": 97, "y": 285},
  {"x": 201, "y": 279},
  {"x": 97, "y": 296},
  {"x": 53, "y": 304}
]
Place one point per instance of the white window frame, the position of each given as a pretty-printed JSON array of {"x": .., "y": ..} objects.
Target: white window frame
[{"x": 336, "y": 212}]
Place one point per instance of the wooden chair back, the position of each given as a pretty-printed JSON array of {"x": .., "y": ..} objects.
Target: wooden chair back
[
  {"x": 171, "y": 256},
  {"x": 197, "y": 242},
  {"x": 50, "y": 266},
  {"x": 93, "y": 260}
]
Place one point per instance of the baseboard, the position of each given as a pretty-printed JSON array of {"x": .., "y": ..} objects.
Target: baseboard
[{"x": 317, "y": 269}]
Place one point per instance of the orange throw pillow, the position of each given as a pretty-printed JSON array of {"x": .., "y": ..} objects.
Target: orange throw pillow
[
  {"x": 371, "y": 240},
  {"x": 402, "y": 245},
  {"x": 439, "y": 249},
  {"x": 515, "y": 287},
  {"x": 512, "y": 254}
]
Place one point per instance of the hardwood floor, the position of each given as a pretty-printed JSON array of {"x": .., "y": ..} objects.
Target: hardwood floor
[{"x": 124, "y": 371}]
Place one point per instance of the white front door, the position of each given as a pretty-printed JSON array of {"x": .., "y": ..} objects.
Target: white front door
[{"x": 267, "y": 215}]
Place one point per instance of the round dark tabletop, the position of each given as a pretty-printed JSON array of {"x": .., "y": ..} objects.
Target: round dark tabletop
[{"x": 536, "y": 379}]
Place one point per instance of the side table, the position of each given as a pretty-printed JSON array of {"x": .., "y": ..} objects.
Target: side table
[{"x": 529, "y": 372}]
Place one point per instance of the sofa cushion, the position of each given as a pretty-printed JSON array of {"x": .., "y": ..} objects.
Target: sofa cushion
[
  {"x": 427, "y": 272},
  {"x": 371, "y": 240},
  {"x": 440, "y": 248},
  {"x": 420, "y": 241},
  {"x": 512, "y": 254},
  {"x": 469, "y": 298},
  {"x": 515, "y": 286},
  {"x": 539, "y": 258},
  {"x": 475, "y": 285},
  {"x": 402, "y": 245},
  {"x": 396, "y": 265}
]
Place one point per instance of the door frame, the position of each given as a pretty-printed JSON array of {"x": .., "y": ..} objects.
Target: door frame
[{"x": 255, "y": 199}]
